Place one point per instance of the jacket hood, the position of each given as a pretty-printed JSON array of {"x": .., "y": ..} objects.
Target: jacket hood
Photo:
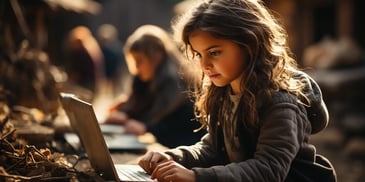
[{"x": 317, "y": 111}]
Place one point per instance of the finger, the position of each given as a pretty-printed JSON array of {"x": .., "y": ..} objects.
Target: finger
[
  {"x": 154, "y": 160},
  {"x": 167, "y": 178},
  {"x": 144, "y": 162},
  {"x": 165, "y": 170},
  {"x": 160, "y": 170}
]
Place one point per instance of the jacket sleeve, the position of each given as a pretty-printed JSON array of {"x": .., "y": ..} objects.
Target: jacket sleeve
[
  {"x": 282, "y": 129},
  {"x": 201, "y": 154}
]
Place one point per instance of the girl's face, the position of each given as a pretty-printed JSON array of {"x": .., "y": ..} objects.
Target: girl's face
[
  {"x": 145, "y": 66},
  {"x": 220, "y": 59}
]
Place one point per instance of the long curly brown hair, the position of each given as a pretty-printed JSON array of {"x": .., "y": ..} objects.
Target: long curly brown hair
[{"x": 254, "y": 28}]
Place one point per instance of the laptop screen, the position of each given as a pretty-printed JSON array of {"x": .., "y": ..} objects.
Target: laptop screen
[{"x": 83, "y": 120}]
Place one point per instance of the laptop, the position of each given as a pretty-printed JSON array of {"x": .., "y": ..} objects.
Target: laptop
[
  {"x": 83, "y": 120},
  {"x": 116, "y": 141}
]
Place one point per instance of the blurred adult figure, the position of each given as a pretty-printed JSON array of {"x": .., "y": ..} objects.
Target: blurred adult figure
[
  {"x": 84, "y": 59},
  {"x": 158, "y": 102},
  {"x": 115, "y": 68}
]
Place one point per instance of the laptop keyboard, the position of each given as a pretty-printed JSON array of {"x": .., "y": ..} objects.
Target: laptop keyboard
[{"x": 132, "y": 173}]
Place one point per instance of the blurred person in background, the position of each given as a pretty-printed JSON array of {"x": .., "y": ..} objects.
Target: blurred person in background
[
  {"x": 84, "y": 59},
  {"x": 158, "y": 102},
  {"x": 115, "y": 66}
]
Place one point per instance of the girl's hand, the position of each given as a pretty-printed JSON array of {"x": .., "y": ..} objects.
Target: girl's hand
[
  {"x": 151, "y": 159},
  {"x": 132, "y": 126},
  {"x": 172, "y": 171},
  {"x": 116, "y": 117},
  {"x": 118, "y": 103}
]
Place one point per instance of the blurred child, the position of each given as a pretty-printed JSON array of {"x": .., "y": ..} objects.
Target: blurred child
[
  {"x": 84, "y": 63},
  {"x": 158, "y": 102}
]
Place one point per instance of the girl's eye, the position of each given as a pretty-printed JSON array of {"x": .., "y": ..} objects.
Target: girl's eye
[{"x": 214, "y": 53}]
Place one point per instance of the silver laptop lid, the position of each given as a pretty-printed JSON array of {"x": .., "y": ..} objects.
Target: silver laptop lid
[{"x": 83, "y": 120}]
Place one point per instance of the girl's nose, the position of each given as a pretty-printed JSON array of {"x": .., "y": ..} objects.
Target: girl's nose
[{"x": 205, "y": 63}]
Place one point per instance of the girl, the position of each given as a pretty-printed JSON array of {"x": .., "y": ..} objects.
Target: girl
[
  {"x": 258, "y": 108},
  {"x": 157, "y": 103}
]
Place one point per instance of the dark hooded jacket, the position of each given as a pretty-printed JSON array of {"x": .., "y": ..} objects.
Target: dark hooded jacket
[
  {"x": 281, "y": 138},
  {"x": 164, "y": 107}
]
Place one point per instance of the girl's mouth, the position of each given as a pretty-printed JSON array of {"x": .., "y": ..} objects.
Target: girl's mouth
[{"x": 211, "y": 76}]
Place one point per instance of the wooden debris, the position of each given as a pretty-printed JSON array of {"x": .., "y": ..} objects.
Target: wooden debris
[{"x": 22, "y": 162}]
